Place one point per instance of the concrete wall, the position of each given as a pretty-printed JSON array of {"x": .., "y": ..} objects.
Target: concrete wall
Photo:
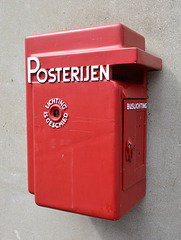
[{"x": 158, "y": 215}]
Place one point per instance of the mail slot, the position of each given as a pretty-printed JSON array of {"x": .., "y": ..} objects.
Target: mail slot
[{"x": 86, "y": 119}]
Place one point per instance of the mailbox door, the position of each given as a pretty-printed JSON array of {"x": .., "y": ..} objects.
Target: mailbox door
[
  {"x": 134, "y": 141},
  {"x": 76, "y": 168}
]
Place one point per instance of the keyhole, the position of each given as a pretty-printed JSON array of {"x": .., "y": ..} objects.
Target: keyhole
[{"x": 56, "y": 113}]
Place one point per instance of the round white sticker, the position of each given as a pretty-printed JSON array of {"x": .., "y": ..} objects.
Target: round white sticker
[{"x": 56, "y": 115}]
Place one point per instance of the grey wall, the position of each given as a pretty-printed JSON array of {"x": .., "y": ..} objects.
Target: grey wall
[{"x": 158, "y": 215}]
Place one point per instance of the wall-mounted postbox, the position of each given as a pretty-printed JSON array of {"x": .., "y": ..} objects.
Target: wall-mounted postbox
[{"x": 86, "y": 119}]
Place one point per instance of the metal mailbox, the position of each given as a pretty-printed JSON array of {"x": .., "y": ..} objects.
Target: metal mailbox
[{"x": 86, "y": 119}]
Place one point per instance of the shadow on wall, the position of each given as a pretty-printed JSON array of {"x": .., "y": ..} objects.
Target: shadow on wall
[
  {"x": 149, "y": 218},
  {"x": 125, "y": 228}
]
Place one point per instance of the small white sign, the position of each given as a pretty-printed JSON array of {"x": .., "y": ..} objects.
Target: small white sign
[
  {"x": 61, "y": 119},
  {"x": 132, "y": 106}
]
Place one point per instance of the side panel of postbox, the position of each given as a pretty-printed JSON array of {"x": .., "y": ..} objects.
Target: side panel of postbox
[
  {"x": 134, "y": 142},
  {"x": 133, "y": 103}
]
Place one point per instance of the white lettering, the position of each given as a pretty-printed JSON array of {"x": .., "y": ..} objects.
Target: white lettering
[
  {"x": 132, "y": 106},
  {"x": 48, "y": 116},
  {"x": 65, "y": 74},
  {"x": 58, "y": 73},
  {"x": 45, "y": 114},
  {"x": 70, "y": 74},
  {"x": 30, "y": 71},
  {"x": 74, "y": 73},
  {"x": 42, "y": 80},
  {"x": 87, "y": 77},
  {"x": 53, "y": 77},
  {"x": 65, "y": 115},
  {"x": 56, "y": 101},
  {"x": 47, "y": 120},
  {"x": 103, "y": 72},
  {"x": 64, "y": 107},
  {"x": 94, "y": 73},
  {"x": 81, "y": 74}
]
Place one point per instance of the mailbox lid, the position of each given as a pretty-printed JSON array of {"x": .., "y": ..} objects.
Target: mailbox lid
[{"x": 99, "y": 37}]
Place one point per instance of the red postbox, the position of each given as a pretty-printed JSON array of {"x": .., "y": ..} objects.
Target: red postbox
[{"x": 86, "y": 119}]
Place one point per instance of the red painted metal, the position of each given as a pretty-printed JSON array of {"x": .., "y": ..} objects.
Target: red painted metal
[
  {"x": 134, "y": 143},
  {"x": 93, "y": 161}
]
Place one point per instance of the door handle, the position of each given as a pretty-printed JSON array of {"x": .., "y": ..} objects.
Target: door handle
[{"x": 130, "y": 148}]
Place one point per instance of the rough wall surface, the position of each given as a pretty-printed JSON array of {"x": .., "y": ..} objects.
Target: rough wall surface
[{"x": 158, "y": 215}]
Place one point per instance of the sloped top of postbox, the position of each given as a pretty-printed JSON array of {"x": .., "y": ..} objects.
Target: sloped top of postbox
[
  {"x": 108, "y": 44},
  {"x": 109, "y": 36}
]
